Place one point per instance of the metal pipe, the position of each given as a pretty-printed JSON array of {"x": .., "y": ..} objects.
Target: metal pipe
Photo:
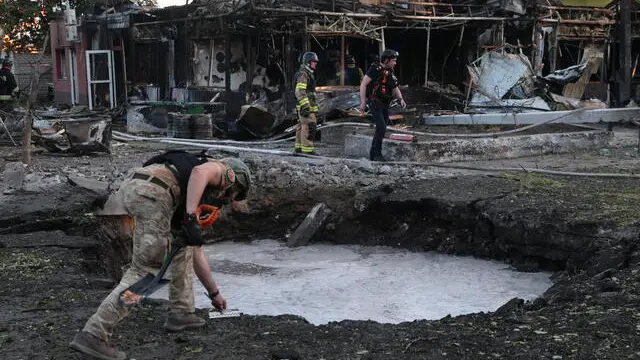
[
  {"x": 453, "y": 18},
  {"x": 159, "y": 22},
  {"x": 579, "y": 22},
  {"x": 315, "y": 12},
  {"x": 342, "y": 59},
  {"x": 572, "y": 8},
  {"x": 426, "y": 61}
]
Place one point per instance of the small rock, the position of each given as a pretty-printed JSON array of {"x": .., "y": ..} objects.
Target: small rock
[
  {"x": 512, "y": 305},
  {"x": 385, "y": 169},
  {"x": 516, "y": 335},
  {"x": 272, "y": 171},
  {"x": 605, "y": 152},
  {"x": 96, "y": 186},
  {"x": 365, "y": 165}
]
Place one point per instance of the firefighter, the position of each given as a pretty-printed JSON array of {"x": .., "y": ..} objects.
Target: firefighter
[
  {"x": 305, "y": 86},
  {"x": 353, "y": 74},
  {"x": 8, "y": 86},
  {"x": 378, "y": 88}
]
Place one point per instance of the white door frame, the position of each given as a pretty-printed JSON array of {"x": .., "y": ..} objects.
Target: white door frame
[
  {"x": 109, "y": 80},
  {"x": 72, "y": 63}
]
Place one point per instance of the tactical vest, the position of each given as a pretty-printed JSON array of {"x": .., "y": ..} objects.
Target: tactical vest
[
  {"x": 381, "y": 89},
  {"x": 310, "y": 87},
  {"x": 183, "y": 163}
]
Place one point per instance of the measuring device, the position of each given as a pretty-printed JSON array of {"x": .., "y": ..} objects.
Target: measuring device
[{"x": 217, "y": 314}]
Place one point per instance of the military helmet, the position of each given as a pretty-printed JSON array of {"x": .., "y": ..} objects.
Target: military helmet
[
  {"x": 6, "y": 62},
  {"x": 350, "y": 60},
  {"x": 388, "y": 54},
  {"x": 243, "y": 175},
  {"x": 309, "y": 57}
]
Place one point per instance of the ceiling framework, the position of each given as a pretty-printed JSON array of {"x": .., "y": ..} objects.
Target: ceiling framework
[
  {"x": 579, "y": 23},
  {"x": 345, "y": 26}
]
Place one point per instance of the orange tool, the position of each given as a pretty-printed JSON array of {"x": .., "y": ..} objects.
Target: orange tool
[{"x": 206, "y": 215}]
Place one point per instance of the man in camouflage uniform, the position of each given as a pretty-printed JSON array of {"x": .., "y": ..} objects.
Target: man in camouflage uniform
[
  {"x": 305, "y": 92},
  {"x": 162, "y": 198}
]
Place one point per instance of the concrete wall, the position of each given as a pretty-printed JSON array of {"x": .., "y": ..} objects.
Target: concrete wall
[{"x": 507, "y": 147}]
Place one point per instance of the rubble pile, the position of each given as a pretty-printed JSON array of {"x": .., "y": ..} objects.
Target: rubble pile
[
  {"x": 75, "y": 130},
  {"x": 505, "y": 82}
]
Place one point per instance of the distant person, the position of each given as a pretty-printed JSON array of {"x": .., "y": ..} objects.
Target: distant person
[
  {"x": 305, "y": 92},
  {"x": 336, "y": 73},
  {"x": 353, "y": 75},
  {"x": 378, "y": 88},
  {"x": 9, "y": 89}
]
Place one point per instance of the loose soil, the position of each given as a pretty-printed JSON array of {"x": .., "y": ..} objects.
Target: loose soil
[{"x": 57, "y": 264}]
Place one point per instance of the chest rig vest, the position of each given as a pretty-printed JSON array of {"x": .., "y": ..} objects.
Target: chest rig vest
[
  {"x": 381, "y": 88},
  {"x": 181, "y": 163}
]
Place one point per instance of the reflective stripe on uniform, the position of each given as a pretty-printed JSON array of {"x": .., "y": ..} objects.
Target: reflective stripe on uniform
[
  {"x": 5, "y": 97},
  {"x": 302, "y": 86},
  {"x": 306, "y": 149},
  {"x": 303, "y": 101}
]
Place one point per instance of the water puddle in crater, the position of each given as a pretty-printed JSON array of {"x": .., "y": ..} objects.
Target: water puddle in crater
[{"x": 324, "y": 283}]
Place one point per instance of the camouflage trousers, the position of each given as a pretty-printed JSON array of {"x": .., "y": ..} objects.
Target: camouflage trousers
[{"x": 151, "y": 207}]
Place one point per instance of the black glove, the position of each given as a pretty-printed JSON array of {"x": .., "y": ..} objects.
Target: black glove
[
  {"x": 191, "y": 230},
  {"x": 304, "y": 112}
]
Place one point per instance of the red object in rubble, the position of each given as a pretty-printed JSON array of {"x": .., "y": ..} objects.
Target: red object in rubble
[{"x": 403, "y": 137}]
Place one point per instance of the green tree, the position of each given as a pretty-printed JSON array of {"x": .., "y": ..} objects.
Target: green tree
[
  {"x": 26, "y": 22},
  {"x": 23, "y": 23}
]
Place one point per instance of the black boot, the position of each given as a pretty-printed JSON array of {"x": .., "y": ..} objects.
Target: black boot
[
  {"x": 91, "y": 345},
  {"x": 378, "y": 158}
]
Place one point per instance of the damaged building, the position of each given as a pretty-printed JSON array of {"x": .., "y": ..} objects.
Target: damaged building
[{"x": 211, "y": 68}]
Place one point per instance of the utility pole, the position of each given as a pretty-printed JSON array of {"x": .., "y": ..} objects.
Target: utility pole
[
  {"x": 27, "y": 119},
  {"x": 623, "y": 26}
]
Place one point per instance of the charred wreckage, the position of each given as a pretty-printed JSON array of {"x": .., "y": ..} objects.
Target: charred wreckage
[{"x": 212, "y": 69}]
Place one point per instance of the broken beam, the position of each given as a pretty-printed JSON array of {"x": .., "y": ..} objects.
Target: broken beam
[{"x": 309, "y": 226}]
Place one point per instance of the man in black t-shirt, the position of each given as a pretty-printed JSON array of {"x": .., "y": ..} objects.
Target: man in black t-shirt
[{"x": 378, "y": 87}]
